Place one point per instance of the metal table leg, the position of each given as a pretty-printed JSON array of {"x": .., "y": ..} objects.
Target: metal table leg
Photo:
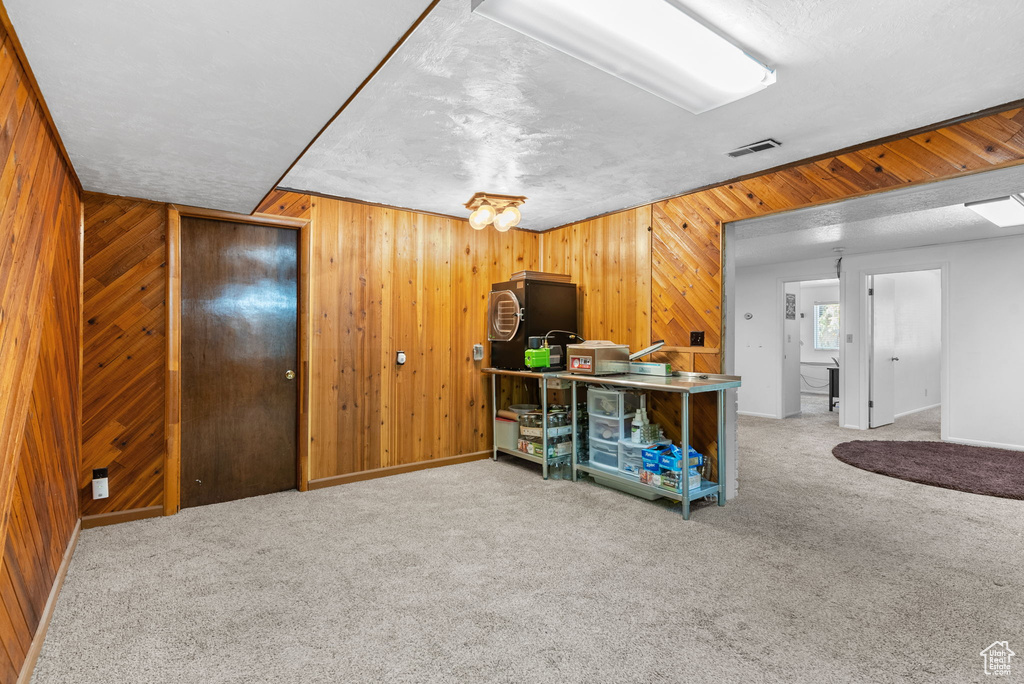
[
  {"x": 684, "y": 438},
  {"x": 494, "y": 417},
  {"x": 575, "y": 431},
  {"x": 721, "y": 447},
  {"x": 544, "y": 425}
]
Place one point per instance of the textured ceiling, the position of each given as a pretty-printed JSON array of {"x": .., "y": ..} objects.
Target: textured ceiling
[
  {"x": 913, "y": 217},
  {"x": 468, "y": 105},
  {"x": 207, "y": 103},
  {"x": 198, "y": 102}
]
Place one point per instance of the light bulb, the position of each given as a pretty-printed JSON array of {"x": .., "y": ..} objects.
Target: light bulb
[
  {"x": 514, "y": 211},
  {"x": 482, "y": 216},
  {"x": 506, "y": 219}
]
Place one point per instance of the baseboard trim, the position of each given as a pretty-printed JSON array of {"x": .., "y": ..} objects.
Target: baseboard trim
[
  {"x": 101, "y": 519},
  {"x": 756, "y": 415},
  {"x": 917, "y": 410},
  {"x": 980, "y": 443},
  {"x": 29, "y": 666},
  {"x": 397, "y": 470}
]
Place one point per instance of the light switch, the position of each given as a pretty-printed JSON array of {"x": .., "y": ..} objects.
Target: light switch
[
  {"x": 849, "y": 338},
  {"x": 478, "y": 352}
]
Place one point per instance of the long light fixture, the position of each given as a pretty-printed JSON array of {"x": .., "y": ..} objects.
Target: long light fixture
[
  {"x": 501, "y": 210},
  {"x": 1002, "y": 211},
  {"x": 649, "y": 43}
]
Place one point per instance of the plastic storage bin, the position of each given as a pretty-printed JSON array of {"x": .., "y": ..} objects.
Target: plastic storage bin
[
  {"x": 610, "y": 429},
  {"x": 631, "y": 459},
  {"x": 604, "y": 453},
  {"x": 611, "y": 403},
  {"x": 506, "y": 433}
]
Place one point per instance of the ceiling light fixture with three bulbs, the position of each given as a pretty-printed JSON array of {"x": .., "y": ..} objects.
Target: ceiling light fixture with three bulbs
[{"x": 500, "y": 210}]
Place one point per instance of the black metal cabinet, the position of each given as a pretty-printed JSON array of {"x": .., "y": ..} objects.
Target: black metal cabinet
[{"x": 520, "y": 309}]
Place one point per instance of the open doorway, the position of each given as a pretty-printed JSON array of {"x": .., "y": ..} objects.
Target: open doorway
[
  {"x": 811, "y": 348},
  {"x": 905, "y": 347}
]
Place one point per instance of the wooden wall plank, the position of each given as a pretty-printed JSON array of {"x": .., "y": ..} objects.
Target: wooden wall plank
[
  {"x": 40, "y": 346},
  {"x": 386, "y": 280},
  {"x": 124, "y": 352},
  {"x": 609, "y": 259}
]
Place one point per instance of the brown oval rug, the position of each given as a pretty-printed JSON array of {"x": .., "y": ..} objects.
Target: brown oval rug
[{"x": 979, "y": 470}]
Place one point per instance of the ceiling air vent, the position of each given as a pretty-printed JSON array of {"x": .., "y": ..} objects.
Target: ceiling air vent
[{"x": 759, "y": 146}]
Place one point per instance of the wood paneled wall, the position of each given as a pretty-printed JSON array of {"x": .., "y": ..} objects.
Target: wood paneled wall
[
  {"x": 123, "y": 352},
  {"x": 386, "y": 280},
  {"x": 609, "y": 259},
  {"x": 40, "y": 327},
  {"x": 383, "y": 280}
]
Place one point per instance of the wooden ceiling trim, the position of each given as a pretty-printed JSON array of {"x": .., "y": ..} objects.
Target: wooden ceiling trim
[{"x": 262, "y": 219}]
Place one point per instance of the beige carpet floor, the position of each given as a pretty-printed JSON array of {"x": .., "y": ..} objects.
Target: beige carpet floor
[{"x": 818, "y": 572}]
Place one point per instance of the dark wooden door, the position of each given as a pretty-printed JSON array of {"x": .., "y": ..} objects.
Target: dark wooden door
[{"x": 239, "y": 340}]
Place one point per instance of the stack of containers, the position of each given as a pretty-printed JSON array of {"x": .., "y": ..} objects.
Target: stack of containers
[
  {"x": 611, "y": 417},
  {"x": 631, "y": 460},
  {"x": 583, "y": 431},
  {"x": 531, "y": 431}
]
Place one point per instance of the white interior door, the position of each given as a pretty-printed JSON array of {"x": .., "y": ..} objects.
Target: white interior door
[
  {"x": 882, "y": 394},
  {"x": 791, "y": 353}
]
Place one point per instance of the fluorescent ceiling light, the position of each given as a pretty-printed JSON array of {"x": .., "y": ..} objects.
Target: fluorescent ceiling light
[
  {"x": 1002, "y": 211},
  {"x": 649, "y": 43}
]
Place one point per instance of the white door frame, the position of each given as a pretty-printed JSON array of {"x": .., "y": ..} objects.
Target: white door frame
[
  {"x": 864, "y": 331},
  {"x": 780, "y": 334}
]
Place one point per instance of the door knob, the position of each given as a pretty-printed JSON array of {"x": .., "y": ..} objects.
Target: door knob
[
  {"x": 289, "y": 374},
  {"x": 895, "y": 358}
]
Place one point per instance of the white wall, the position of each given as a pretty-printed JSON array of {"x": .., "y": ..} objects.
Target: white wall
[
  {"x": 984, "y": 323},
  {"x": 814, "y": 377},
  {"x": 918, "y": 340}
]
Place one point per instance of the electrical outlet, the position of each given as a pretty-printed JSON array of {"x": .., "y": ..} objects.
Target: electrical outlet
[
  {"x": 99, "y": 483},
  {"x": 697, "y": 338},
  {"x": 478, "y": 352},
  {"x": 849, "y": 338}
]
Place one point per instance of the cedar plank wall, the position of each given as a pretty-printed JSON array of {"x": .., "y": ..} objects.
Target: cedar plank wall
[
  {"x": 123, "y": 355},
  {"x": 40, "y": 254},
  {"x": 609, "y": 259},
  {"x": 386, "y": 280},
  {"x": 685, "y": 252},
  {"x": 383, "y": 280}
]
